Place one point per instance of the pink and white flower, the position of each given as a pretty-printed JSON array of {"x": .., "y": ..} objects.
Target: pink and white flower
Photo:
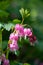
[
  {"x": 6, "y": 62},
  {"x": 20, "y": 29},
  {"x": 20, "y": 32},
  {"x": 14, "y": 46},
  {"x": 13, "y": 36},
  {"x": 27, "y": 32}
]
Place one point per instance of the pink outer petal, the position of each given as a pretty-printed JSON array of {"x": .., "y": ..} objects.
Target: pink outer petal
[
  {"x": 14, "y": 45},
  {"x": 11, "y": 36},
  {"x": 25, "y": 31},
  {"x": 6, "y": 62}
]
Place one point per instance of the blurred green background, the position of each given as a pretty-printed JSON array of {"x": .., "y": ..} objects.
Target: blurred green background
[{"x": 9, "y": 10}]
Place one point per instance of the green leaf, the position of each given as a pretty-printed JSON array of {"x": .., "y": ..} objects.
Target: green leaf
[
  {"x": 8, "y": 26},
  {"x": 26, "y": 11},
  {"x": 22, "y": 12},
  {"x": 17, "y": 53},
  {"x": 28, "y": 15},
  {"x": 15, "y": 21}
]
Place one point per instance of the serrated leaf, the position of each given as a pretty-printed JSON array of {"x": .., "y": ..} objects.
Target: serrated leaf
[
  {"x": 8, "y": 26},
  {"x": 16, "y": 21}
]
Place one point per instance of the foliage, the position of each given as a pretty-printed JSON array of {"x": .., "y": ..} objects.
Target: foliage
[{"x": 9, "y": 16}]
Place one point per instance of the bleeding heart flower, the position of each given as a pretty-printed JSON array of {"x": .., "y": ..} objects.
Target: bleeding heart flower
[
  {"x": 13, "y": 46},
  {"x": 20, "y": 29},
  {"x": 6, "y": 62},
  {"x": 11, "y": 36}
]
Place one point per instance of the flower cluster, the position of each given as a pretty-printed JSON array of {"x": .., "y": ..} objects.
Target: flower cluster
[
  {"x": 4, "y": 60},
  {"x": 19, "y": 32}
]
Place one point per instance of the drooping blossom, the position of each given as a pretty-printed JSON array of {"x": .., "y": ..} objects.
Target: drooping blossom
[
  {"x": 6, "y": 62},
  {"x": 20, "y": 29},
  {"x": 13, "y": 46},
  {"x": 32, "y": 39},
  {"x": 27, "y": 32},
  {"x": 20, "y": 32},
  {"x": 17, "y": 27},
  {"x": 16, "y": 36},
  {"x": 13, "y": 36},
  {"x": 3, "y": 57}
]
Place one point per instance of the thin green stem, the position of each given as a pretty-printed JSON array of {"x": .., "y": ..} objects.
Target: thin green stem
[
  {"x": 7, "y": 53},
  {"x": 22, "y": 20},
  {"x": 1, "y": 50}
]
